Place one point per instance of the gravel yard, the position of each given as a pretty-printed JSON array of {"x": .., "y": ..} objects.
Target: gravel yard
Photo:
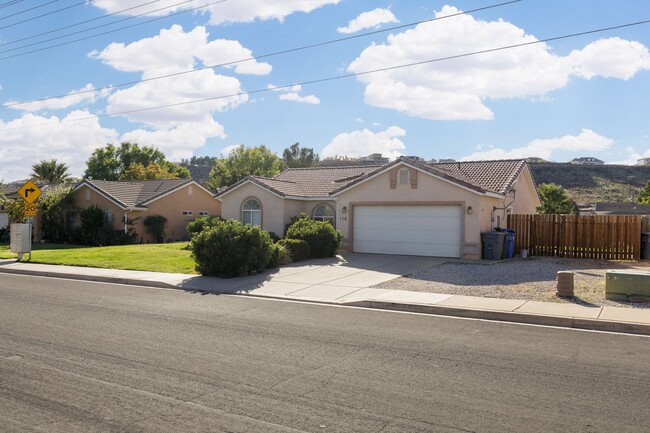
[{"x": 531, "y": 279}]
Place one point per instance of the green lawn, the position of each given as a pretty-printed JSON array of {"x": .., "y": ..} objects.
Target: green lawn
[{"x": 147, "y": 257}]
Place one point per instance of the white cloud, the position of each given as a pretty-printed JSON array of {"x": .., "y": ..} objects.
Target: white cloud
[
  {"x": 86, "y": 94},
  {"x": 292, "y": 96},
  {"x": 66, "y": 139},
  {"x": 586, "y": 141},
  {"x": 368, "y": 20},
  {"x": 174, "y": 50},
  {"x": 228, "y": 11},
  {"x": 180, "y": 141},
  {"x": 291, "y": 93},
  {"x": 610, "y": 58},
  {"x": 364, "y": 142},
  {"x": 458, "y": 89}
]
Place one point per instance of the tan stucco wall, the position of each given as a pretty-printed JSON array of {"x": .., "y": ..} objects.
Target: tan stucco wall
[
  {"x": 170, "y": 206},
  {"x": 429, "y": 191},
  {"x": 276, "y": 211},
  {"x": 189, "y": 198}
]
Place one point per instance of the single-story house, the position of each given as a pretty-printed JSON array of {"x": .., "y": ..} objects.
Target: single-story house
[
  {"x": 178, "y": 200},
  {"x": 403, "y": 207}
]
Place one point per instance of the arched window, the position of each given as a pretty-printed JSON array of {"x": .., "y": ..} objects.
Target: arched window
[
  {"x": 324, "y": 213},
  {"x": 251, "y": 212}
]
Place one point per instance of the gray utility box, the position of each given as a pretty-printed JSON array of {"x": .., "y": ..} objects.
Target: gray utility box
[
  {"x": 21, "y": 238},
  {"x": 492, "y": 245}
]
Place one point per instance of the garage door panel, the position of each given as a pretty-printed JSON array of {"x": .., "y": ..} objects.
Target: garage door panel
[{"x": 409, "y": 230}]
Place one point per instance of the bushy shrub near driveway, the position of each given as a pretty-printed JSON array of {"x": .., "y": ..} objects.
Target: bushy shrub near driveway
[
  {"x": 231, "y": 249},
  {"x": 323, "y": 239}
]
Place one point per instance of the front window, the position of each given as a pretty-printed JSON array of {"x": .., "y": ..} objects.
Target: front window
[
  {"x": 251, "y": 212},
  {"x": 324, "y": 213}
]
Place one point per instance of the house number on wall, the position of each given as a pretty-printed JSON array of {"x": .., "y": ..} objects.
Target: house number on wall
[{"x": 343, "y": 218}]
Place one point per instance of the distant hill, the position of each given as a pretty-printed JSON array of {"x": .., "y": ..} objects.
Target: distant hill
[{"x": 590, "y": 184}]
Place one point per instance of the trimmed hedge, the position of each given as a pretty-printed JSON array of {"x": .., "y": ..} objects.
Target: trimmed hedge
[
  {"x": 323, "y": 239},
  {"x": 201, "y": 223},
  {"x": 231, "y": 249},
  {"x": 298, "y": 249}
]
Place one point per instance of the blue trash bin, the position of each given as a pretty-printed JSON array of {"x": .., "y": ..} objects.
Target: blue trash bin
[{"x": 510, "y": 241}]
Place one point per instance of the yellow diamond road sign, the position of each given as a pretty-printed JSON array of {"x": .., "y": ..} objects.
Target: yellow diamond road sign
[{"x": 29, "y": 192}]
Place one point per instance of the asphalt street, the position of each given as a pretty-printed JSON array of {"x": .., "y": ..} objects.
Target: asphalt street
[{"x": 89, "y": 357}]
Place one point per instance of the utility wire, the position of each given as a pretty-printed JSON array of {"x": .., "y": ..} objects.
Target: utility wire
[
  {"x": 28, "y": 10},
  {"x": 106, "y": 32},
  {"x": 263, "y": 56},
  {"x": 9, "y": 3},
  {"x": 86, "y": 22},
  {"x": 350, "y": 75},
  {"x": 43, "y": 15}
]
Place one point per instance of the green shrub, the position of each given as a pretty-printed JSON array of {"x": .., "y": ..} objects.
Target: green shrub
[
  {"x": 293, "y": 220},
  {"x": 323, "y": 239},
  {"x": 280, "y": 256},
  {"x": 298, "y": 249},
  {"x": 96, "y": 230},
  {"x": 202, "y": 223},
  {"x": 231, "y": 249},
  {"x": 155, "y": 226}
]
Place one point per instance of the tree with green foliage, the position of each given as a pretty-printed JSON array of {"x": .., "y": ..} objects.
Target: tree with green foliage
[
  {"x": 241, "y": 162},
  {"x": 112, "y": 163},
  {"x": 299, "y": 157},
  {"x": 644, "y": 194},
  {"x": 57, "y": 208},
  {"x": 155, "y": 226},
  {"x": 555, "y": 200},
  {"x": 15, "y": 209},
  {"x": 50, "y": 172},
  {"x": 154, "y": 171},
  {"x": 199, "y": 161}
]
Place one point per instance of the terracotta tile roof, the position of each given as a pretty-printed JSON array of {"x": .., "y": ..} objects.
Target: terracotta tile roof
[
  {"x": 495, "y": 176},
  {"x": 307, "y": 182},
  {"x": 136, "y": 193},
  {"x": 481, "y": 176}
]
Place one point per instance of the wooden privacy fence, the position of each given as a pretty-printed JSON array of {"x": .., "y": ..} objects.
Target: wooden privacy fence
[{"x": 608, "y": 237}]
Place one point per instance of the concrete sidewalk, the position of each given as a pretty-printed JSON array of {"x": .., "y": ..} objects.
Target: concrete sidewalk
[{"x": 348, "y": 282}]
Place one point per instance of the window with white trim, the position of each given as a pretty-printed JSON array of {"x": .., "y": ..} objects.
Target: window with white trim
[
  {"x": 251, "y": 212},
  {"x": 324, "y": 213},
  {"x": 188, "y": 213}
]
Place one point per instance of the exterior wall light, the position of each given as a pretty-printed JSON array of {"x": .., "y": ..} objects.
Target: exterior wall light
[
  {"x": 344, "y": 209},
  {"x": 469, "y": 210}
]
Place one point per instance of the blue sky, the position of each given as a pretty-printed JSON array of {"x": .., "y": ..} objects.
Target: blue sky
[{"x": 580, "y": 96}]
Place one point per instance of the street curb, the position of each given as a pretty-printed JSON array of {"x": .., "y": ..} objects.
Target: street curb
[
  {"x": 501, "y": 316},
  {"x": 95, "y": 278},
  {"x": 508, "y": 316}
]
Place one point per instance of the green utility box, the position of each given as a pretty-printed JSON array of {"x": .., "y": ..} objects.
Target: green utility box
[{"x": 623, "y": 285}]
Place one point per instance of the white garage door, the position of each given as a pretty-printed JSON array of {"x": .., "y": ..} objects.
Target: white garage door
[{"x": 410, "y": 230}]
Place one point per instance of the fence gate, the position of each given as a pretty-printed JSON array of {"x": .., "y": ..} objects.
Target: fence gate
[{"x": 608, "y": 237}]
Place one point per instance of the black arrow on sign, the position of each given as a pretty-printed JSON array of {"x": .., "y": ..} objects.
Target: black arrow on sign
[{"x": 27, "y": 191}]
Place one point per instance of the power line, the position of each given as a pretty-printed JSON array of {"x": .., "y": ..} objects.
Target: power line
[
  {"x": 43, "y": 15},
  {"x": 9, "y": 3},
  {"x": 263, "y": 56},
  {"x": 28, "y": 10},
  {"x": 106, "y": 32},
  {"x": 86, "y": 22},
  {"x": 350, "y": 75}
]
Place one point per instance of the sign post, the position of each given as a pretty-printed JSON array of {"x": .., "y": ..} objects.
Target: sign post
[{"x": 21, "y": 234}]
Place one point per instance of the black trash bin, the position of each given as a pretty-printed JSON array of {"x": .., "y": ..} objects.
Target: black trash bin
[
  {"x": 492, "y": 245},
  {"x": 645, "y": 246}
]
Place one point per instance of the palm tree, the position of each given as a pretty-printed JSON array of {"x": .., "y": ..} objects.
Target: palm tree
[
  {"x": 555, "y": 200},
  {"x": 50, "y": 172}
]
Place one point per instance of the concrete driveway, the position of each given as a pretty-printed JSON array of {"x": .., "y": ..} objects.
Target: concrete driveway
[{"x": 331, "y": 280}]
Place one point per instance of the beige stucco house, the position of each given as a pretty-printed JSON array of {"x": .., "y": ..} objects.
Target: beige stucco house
[
  {"x": 403, "y": 207},
  {"x": 178, "y": 200}
]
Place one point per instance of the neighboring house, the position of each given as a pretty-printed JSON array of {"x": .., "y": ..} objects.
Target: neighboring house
[
  {"x": 11, "y": 192},
  {"x": 643, "y": 161},
  {"x": 178, "y": 200},
  {"x": 587, "y": 160},
  {"x": 621, "y": 209},
  {"x": 402, "y": 207}
]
